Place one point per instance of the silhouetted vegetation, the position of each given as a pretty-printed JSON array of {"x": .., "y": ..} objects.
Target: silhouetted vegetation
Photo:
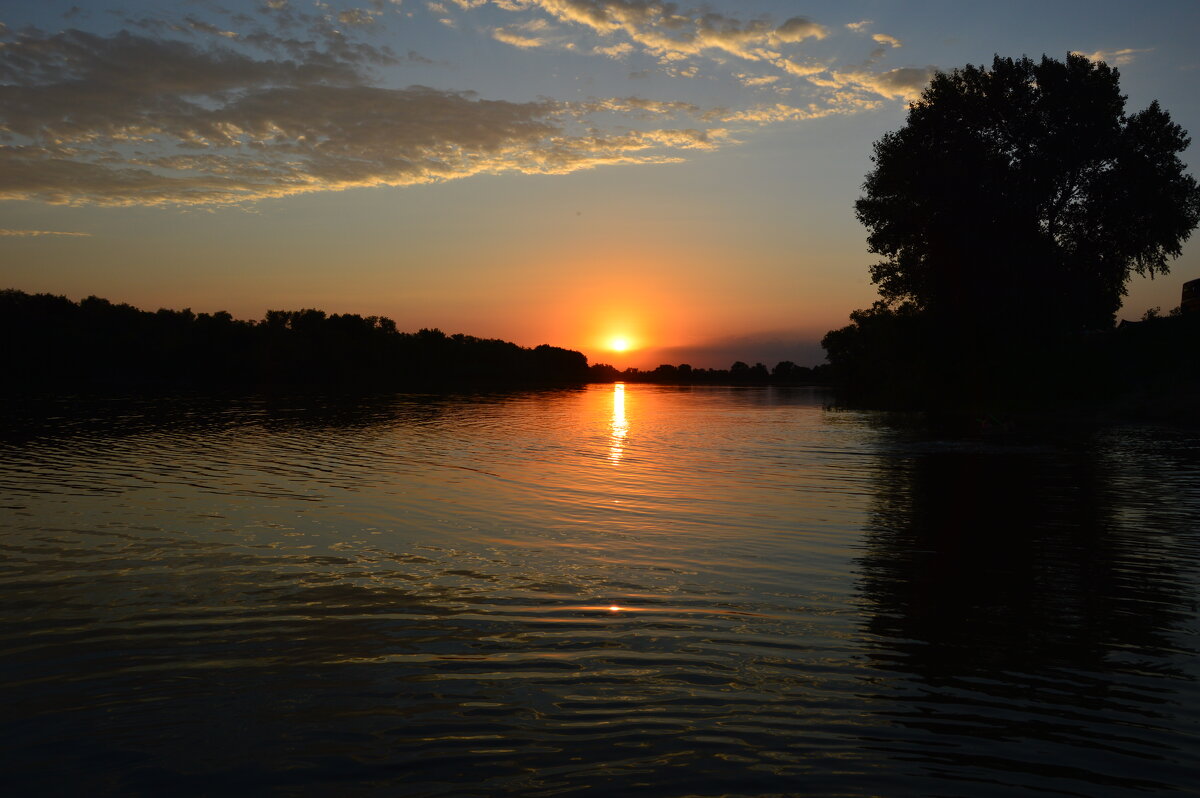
[
  {"x": 784, "y": 373},
  {"x": 1011, "y": 211},
  {"x": 52, "y": 342}
]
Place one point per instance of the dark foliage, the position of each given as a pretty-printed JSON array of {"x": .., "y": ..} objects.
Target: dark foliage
[
  {"x": 1024, "y": 194},
  {"x": 51, "y": 342},
  {"x": 881, "y": 357},
  {"x": 1144, "y": 369},
  {"x": 1011, "y": 211}
]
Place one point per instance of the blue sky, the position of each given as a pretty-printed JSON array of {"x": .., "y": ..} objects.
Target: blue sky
[{"x": 558, "y": 171}]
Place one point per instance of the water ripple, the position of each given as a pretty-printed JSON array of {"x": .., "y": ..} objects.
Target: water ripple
[{"x": 686, "y": 592}]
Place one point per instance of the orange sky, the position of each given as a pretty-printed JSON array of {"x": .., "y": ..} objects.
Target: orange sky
[{"x": 543, "y": 172}]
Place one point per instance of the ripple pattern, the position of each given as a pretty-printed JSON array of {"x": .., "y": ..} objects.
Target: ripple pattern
[{"x": 657, "y": 591}]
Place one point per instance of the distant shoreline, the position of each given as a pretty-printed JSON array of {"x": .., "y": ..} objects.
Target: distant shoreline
[{"x": 98, "y": 345}]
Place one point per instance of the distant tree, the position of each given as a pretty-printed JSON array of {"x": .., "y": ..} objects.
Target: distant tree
[
  {"x": 603, "y": 372},
  {"x": 1024, "y": 194},
  {"x": 666, "y": 372},
  {"x": 881, "y": 357},
  {"x": 786, "y": 372},
  {"x": 96, "y": 343}
]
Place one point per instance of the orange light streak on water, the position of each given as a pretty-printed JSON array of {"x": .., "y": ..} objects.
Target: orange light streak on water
[{"x": 619, "y": 426}]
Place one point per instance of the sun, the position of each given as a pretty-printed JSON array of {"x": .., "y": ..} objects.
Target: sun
[{"x": 619, "y": 344}]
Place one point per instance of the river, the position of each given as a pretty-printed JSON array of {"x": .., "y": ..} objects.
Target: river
[{"x": 612, "y": 590}]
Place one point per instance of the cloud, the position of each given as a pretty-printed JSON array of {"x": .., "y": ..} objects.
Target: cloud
[
  {"x": 797, "y": 29},
  {"x": 747, "y": 79},
  {"x": 509, "y": 36},
  {"x": 799, "y": 70},
  {"x": 839, "y": 104},
  {"x": 30, "y": 233},
  {"x": 616, "y": 51},
  {"x": 1116, "y": 57},
  {"x": 528, "y": 35},
  {"x": 82, "y": 121},
  {"x": 883, "y": 42},
  {"x": 292, "y": 107},
  {"x": 665, "y": 31},
  {"x": 639, "y": 106},
  {"x": 357, "y": 16},
  {"x": 207, "y": 27},
  {"x": 682, "y": 39},
  {"x": 904, "y": 83}
]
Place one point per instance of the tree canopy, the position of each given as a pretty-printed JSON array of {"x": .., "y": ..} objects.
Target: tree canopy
[
  {"x": 98, "y": 344},
  {"x": 1011, "y": 211},
  {"x": 1024, "y": 195}
]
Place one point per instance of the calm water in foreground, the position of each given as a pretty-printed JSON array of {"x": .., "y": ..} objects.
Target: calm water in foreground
[{"x": 606, "y": 591}]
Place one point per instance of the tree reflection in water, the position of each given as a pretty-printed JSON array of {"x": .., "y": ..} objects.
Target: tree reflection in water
[{"x": 1022, "y": 594}]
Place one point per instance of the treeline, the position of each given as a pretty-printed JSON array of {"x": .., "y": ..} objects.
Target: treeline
[
  {"x": 784, "y": 373},
  {"x": 52, "y": 342},
  {"x": 902, "y": 360}
]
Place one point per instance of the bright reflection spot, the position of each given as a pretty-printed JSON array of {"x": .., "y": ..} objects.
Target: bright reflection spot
[
  {"x": 620, "y": 427},
  {"x": 614, "y": 608}
]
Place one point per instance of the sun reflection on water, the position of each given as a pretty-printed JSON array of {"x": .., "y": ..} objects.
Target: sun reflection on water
[{"x": 619, "y": 426}]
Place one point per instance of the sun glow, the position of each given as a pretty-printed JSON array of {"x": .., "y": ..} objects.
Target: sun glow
[{"x": 619, "y": 344}]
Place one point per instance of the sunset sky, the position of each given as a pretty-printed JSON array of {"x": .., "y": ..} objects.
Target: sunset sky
[{"x": 544, "y": 171}]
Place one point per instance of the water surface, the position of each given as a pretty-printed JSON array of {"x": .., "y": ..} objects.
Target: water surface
[{"x": 616, "y": 590}]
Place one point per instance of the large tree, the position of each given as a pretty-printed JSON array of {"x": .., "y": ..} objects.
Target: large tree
[{"x": 1024, "y": 197}]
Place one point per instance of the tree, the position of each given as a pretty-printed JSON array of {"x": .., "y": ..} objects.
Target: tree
[{"x": 1022, "y": 197}]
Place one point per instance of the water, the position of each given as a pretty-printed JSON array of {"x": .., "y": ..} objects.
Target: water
[{"x": 626, "y": 590}]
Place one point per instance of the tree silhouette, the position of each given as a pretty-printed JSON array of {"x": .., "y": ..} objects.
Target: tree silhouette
[
  {"x": 1024, "y": 194},
  {"x": 1011, "y": 211},
  {"x": 97, "y": 344}
]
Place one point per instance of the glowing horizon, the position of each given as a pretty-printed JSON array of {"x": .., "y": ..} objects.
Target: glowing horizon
[{"x": 523, "y": 171}]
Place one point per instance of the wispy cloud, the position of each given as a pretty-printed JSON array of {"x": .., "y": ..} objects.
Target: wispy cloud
[
  {"x": 840, "y": 103},
  {"x": 292, "y": 105},
  {"x": 619, "y": 50},
  {"x": 1120, "y": 57},
  {"x": 903, "y": 83},
  {"x": 670, "y": 33},
  {"x": 640, "y": 106},
  {"x": 517, "y": 39},
  {"x": 357, "y": 16},
  {"x": 684, "y": 40},
  {"x": 84, "y": 122},
  {"x": 31, "y": 233},
  {"x": 746, "y": 79}
]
